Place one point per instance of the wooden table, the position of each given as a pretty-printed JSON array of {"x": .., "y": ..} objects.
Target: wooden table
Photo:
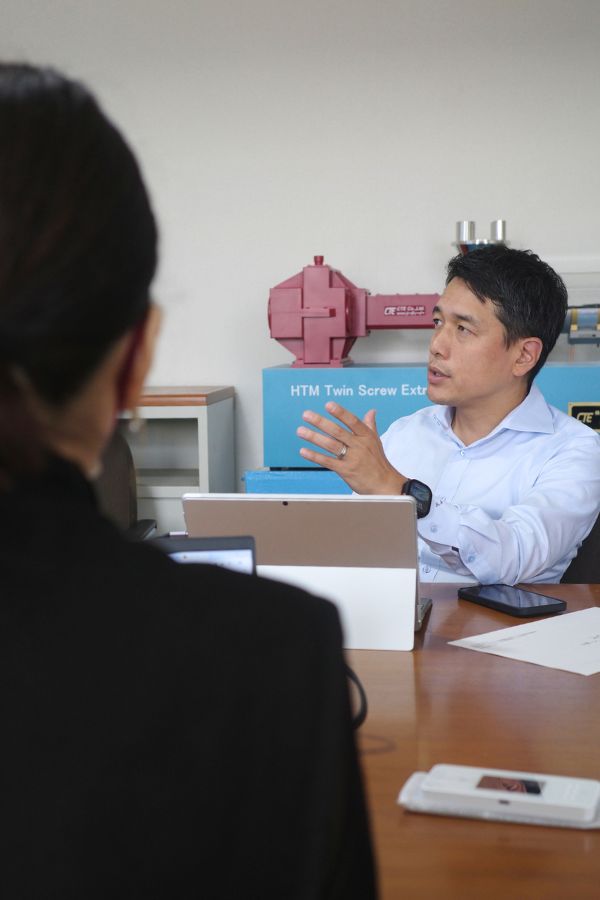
[{"x": 451, "y": 705}]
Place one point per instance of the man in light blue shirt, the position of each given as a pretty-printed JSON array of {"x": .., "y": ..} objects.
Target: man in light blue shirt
[{"x": 506, "y": 486}]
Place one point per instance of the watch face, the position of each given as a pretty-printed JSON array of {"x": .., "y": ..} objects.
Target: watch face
[{"x": 422, "y": 494}]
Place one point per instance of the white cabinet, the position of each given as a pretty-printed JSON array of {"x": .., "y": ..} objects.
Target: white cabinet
[{"x": 185, "y": 443}]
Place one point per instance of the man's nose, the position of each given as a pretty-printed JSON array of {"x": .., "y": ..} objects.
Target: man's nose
[{"x": 438, "y": 345}]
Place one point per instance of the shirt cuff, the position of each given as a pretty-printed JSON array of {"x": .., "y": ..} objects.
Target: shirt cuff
[{"x": 440, "y": 530}]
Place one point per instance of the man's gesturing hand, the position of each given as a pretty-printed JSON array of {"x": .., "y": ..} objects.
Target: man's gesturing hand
[{"x": 358, "y": 455}]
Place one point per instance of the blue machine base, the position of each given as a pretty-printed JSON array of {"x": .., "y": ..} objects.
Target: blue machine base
[
  {"x": 394, "y": 391},
  {"x": 290, "y": 481}
]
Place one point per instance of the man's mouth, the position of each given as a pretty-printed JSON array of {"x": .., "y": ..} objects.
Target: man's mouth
[{"x": 435, "y": 373}]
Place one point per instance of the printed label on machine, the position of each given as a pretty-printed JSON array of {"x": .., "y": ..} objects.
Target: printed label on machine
[{"x": 588, "y": 413}]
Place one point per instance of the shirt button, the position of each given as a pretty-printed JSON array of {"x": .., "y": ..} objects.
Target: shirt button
[
  {"x": 470, "y": 559},
  {"x": 462, "y": 452},
  {"x": 434, "y": 528},
  {"x": 426, "y": 569}
]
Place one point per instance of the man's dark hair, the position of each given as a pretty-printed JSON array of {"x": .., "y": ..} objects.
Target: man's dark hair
[{"x": 530, "y": 299}]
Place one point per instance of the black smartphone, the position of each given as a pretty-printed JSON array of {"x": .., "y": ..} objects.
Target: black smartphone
[{"x": 512, "y": 600}]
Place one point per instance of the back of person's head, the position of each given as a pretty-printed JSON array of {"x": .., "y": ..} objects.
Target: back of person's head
[
  {"x": 77, "y": 249},
  {"x": 530, "y": 299}
]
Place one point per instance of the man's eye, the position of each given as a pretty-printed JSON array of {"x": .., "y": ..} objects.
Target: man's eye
[{"x": 437, "y": 322}]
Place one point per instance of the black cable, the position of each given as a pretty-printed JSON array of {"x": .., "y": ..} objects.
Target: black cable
[{"x": 361, "y": 715}]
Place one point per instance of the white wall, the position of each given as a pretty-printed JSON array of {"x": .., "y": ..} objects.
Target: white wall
[{"x": 272, "y": 130}]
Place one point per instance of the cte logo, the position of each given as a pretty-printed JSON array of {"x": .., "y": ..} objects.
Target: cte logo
[
  {"x": 588, "y": 413},
  {"x": 404, "y": 311}
]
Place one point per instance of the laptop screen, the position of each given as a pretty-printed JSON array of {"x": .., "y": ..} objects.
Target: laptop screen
[{"x": 235, "y": 553}]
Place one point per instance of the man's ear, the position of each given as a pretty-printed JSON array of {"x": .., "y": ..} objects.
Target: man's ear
[
  {"x": 529, "y": 352},
  {"x": 138, "y": 359}
]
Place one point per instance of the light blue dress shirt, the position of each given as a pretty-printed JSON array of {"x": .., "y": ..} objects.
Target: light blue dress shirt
[{"x": 512, "y": 507}]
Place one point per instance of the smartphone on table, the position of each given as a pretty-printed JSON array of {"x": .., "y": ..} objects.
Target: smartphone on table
[{"x": 512, "y": 600}]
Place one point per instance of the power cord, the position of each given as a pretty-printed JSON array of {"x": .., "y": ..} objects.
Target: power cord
[{"x": 361, "y": 715}]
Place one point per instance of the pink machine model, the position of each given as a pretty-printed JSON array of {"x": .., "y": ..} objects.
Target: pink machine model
[{"x": 318, "y": 314}]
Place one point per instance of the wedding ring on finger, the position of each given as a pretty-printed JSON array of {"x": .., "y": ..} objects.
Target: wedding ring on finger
[{"x": 343, "y": 451}]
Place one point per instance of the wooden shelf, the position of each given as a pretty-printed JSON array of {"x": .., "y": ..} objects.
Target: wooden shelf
[{"x": 186, "y": 444}]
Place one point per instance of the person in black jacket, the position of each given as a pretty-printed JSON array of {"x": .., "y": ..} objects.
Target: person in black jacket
[{"x": 167, "y": 731}]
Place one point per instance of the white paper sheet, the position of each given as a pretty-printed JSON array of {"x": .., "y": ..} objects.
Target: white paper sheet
[{"x": 570, "y": 642}]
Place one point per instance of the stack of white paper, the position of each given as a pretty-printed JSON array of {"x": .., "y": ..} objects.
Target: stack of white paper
[{"x": 570, "y": 642}]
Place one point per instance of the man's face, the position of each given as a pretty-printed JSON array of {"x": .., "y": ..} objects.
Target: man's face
[{"x": 470, "y": 366}]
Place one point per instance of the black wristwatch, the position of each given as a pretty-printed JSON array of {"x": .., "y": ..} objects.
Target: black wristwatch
[{"x": 419, "y": 492}]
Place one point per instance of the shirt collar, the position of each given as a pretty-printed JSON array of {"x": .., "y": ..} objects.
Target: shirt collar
[{"x": 533, "y": 415}]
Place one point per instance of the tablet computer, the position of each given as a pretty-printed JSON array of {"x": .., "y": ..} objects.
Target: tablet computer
[{"x": 358, "y": 551}]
